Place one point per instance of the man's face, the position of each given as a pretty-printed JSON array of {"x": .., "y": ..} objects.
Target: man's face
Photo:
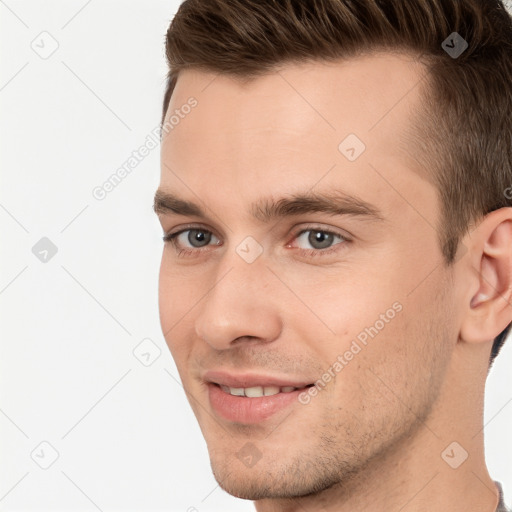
[{"x": 356, "y": 301}]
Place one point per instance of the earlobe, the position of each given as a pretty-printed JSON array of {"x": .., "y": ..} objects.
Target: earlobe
[{"x": 490, "y": 306}]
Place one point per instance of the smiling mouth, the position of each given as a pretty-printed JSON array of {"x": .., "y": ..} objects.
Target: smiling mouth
[{"x": 252, "y": 403}]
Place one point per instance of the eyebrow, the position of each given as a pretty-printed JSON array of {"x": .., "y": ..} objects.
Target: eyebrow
[{"x": 267, "y": 209}]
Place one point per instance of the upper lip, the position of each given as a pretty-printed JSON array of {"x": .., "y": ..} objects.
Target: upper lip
[{"x": 249, "y": 380}]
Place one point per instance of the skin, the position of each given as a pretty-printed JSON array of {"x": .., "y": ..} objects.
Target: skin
[{"x": 373, "y": 438}]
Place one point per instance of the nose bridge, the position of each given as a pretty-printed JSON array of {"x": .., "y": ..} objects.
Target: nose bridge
[{"x": 238, "y": 302}]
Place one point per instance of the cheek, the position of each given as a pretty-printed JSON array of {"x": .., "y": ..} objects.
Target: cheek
[
  {"x": 363, "y": 325},
  {"x": 177, "y": 297},
  {"x": 402, "y": 368},
  {"x": 339, "y": 308},
  {"x": 167, "y": 297},
  {"x": 387, "y": 382},
  {"x": 179, "y": 288}
]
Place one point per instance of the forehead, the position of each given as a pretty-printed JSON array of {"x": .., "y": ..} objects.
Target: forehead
[
  {"x": 351, "y": 94},
  {"x": 295, "y": 127}
]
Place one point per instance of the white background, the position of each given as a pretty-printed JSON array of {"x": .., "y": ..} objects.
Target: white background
[{"x": 124, "y": 432}]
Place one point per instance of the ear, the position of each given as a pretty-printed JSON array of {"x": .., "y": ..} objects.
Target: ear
[{"x": 489, "y": 297}]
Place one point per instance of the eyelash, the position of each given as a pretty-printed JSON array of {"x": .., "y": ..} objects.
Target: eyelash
[{"x": 171, "y": 237}]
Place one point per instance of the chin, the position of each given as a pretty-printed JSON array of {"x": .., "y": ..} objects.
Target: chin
[
  {"x": 289, "y": 481},
  {"x": 248, "y": 487}
]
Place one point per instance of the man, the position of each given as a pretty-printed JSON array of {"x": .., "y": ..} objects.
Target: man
[{"x": 336, "y": 279}]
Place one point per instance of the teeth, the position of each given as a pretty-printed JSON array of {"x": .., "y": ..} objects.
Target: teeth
[
  {"x": 254, "y": 392},
  {"x": 257, "y": 391},
  {"x": 270, "y": 390}
]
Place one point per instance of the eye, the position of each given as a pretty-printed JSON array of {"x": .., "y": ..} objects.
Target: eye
[
  {"x": 318, "y": 240},
  {"x": 197, "y": 238},
  {"x": 193, "y": 238}
]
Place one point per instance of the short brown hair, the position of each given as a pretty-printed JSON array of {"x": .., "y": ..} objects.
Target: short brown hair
[{"x": 467, "y": 113}]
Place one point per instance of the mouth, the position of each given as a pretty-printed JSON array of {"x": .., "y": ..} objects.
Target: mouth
[{"x": 250, "y": 399}]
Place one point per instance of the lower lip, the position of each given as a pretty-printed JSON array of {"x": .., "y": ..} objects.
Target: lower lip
[{"x": 242, "y": 409}]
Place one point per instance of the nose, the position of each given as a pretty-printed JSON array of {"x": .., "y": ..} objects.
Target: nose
[{"x": 240, "y": 304}]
